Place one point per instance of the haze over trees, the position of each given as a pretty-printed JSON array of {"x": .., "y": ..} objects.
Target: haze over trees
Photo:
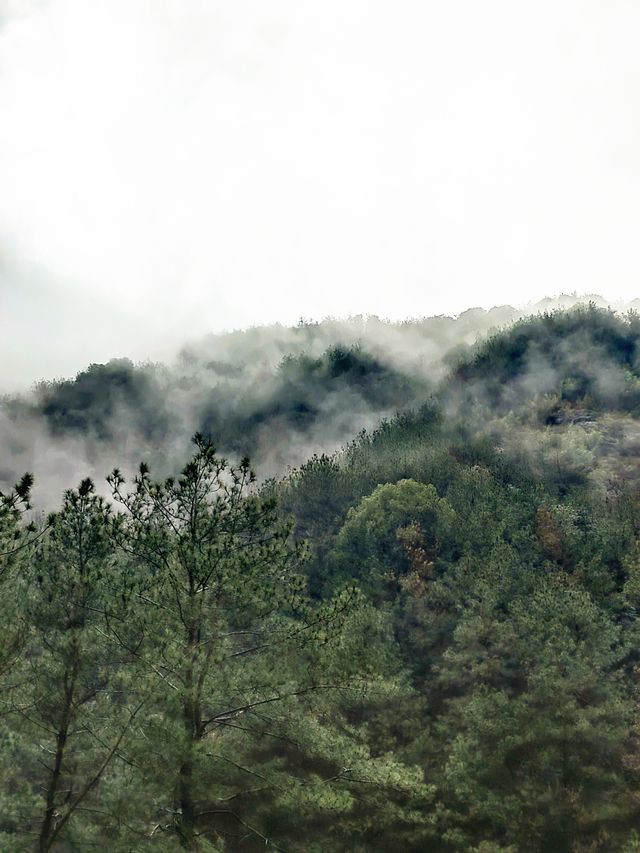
[
  {"x": 425, "y": 640},
  {"x": 276, "y": 394}
]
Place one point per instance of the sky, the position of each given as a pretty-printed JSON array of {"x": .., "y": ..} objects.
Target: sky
[{"x": 174, "y": 167}]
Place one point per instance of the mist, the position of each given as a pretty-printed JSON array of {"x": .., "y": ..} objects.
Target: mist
[
  {"x": 169, "y": 169},
  {"x": 278, "y": 394}
]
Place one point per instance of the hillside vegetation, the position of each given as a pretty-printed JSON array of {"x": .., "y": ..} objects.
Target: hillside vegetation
[
  {"x": 425, "y": 640},
  {"x": 274, "y": 393}
]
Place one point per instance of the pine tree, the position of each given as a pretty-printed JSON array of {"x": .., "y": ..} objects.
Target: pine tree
[
  {"x": 538, "y": 726},
  {"x": 68, "y": 708},
  {"x": 15, "y": 539},
  {"x": 226, "y": 623}
]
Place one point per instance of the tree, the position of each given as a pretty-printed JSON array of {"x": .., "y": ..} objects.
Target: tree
[
  {"x": 69, "y": 708},
  {"x": 14, "y": 539},
  {"x": 228, "y": 631},
  {"x": 391, "y": 531},
  {"x": 538, "y": 724}
]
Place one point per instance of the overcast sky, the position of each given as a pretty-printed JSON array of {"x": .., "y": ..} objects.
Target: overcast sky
[{"x": 169, "y": 167}]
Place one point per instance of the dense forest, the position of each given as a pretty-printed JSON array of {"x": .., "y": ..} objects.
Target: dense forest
[{"x": 427, "y": 639}]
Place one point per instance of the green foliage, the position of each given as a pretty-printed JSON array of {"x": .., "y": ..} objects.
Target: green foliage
[
  {"x": 542, "y": 721},
  {"x": 15, "y": 540},
  {"x": 67, "y": 699},
  {"x": 426, "y": 641},
  {"x": 232, "y": 649},
  {"x": 388, "y": 532},
  {"x": 305, "y": 392},
  {"x": 589, "y": 355},
  {"x": 99, "y": 398}
]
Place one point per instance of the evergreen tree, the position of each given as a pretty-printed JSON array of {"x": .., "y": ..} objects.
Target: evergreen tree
[
  {"x": 228, "y": 632},
  {"x": 14, "y": 540},
  {"x": 69, "y": 708},
  {"x": 538, "y": 725}
]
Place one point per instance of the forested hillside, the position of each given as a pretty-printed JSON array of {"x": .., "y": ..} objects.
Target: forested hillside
[
  {"x": 274, "y": 393},
  {"x": 425, "y": 640}
]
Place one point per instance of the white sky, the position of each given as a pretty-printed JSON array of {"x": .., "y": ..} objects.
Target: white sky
[{"x": 169, "y": 167}]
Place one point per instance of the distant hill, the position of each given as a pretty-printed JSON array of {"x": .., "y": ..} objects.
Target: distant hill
[
  {"x": 280, "y": 394},
  {"x": 587, "y": 356}
]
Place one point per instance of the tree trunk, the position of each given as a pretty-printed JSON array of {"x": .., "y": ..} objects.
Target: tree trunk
[
  {"x": 186, "y": 781},
  {"x": 187, "y": 825},
  {"x": 47, "y": 827}
]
